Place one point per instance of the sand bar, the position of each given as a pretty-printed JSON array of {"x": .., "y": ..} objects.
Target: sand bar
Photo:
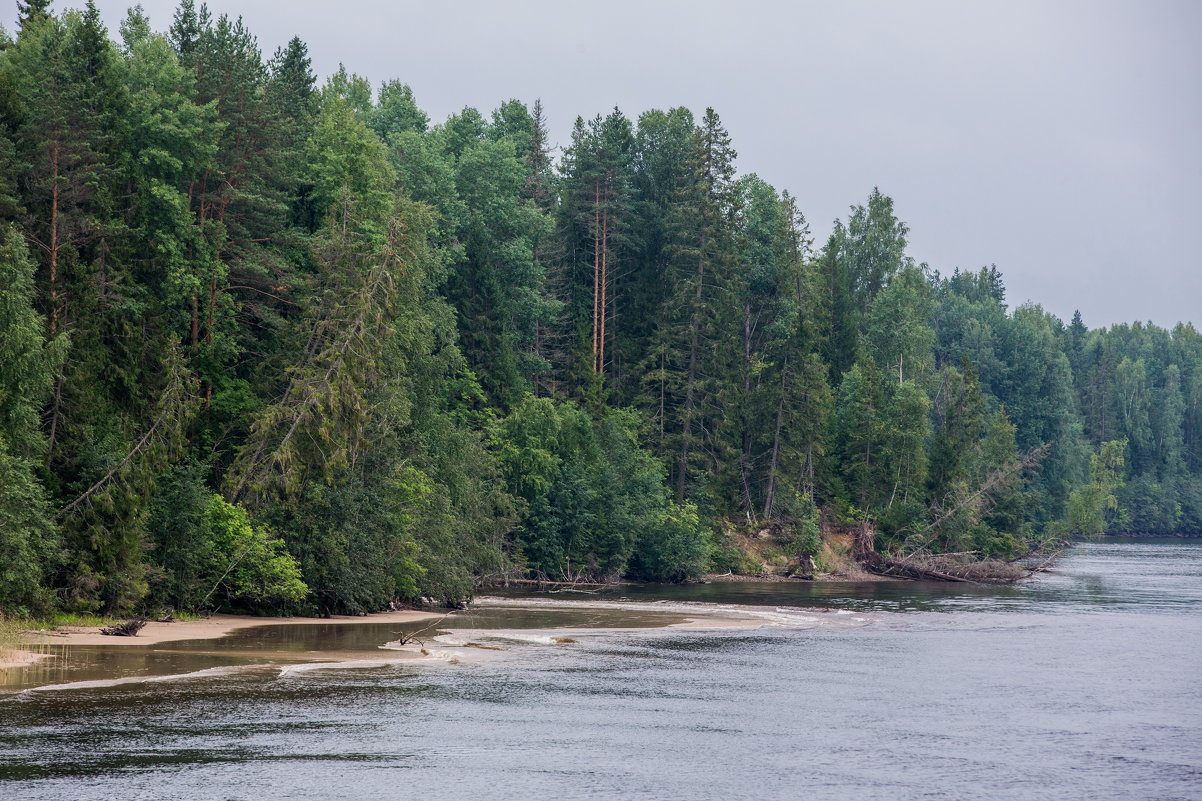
[{"x": 209, "y": 628}]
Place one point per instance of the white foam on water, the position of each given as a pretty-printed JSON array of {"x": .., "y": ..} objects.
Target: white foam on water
[
  {"x": 700, "y": 614},
  {"x": 349, "y": 664},
  {"x": 420, "y": 653},
  {"x": 527, "y": 637}
]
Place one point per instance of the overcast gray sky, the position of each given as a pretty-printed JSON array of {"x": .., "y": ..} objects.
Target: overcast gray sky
[{"x": 1059, "y": 140}]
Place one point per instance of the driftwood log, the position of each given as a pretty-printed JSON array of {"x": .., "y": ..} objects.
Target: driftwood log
[{"x": 129, "y": 628}]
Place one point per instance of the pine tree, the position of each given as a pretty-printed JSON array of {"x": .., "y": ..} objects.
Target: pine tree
[
  {"x": 187, "y": 27},
  {"x": 30, "y": 360},
  {"x": 242, "y": 198},
  {"x": 32, "y": 11},
  {"x": 840, "y": 325},
  {"x": 960, "y": 416},
  {"x": 397, "y": 112},
  {"x": 495, "y": 282},
  {"x": 594, "y": 234},
  {"x": 898, "y": 332},
  {"x": 859, "y": 432},
  {"x": 659, "y": 171},
  {"x": 795, "y": 378},
  {"x": 688, "y": 344},
  {"x": 906, "y": 426},
  {"x": 171, "y": 140},
  {"x": 318, "y": 425}
]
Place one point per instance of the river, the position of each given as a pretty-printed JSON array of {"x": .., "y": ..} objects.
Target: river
[{"x": 1084, "y": 683}]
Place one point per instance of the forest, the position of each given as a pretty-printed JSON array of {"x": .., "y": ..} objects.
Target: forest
[{"x": 276, "y": 345}]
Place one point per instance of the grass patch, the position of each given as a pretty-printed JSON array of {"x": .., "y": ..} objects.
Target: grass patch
[
  {"x": 89, "y": 621},
  {"x": 10, "y": 636},
  {"x": 72, "y": 619},
  {"x": 12, "y": 628},
  {"x": 185, "y": 616}
]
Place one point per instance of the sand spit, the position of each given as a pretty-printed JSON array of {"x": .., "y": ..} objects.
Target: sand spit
[
  {"x": 695, "y": 614},
  {"x": 436, "y": 644},
  {"x": 208, "y": 628}
]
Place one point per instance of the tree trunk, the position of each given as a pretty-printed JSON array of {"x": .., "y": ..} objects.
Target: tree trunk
[
  {"x": 770, "y": 492},
  {"x": 690, "y": 382},
  {"x": 195, "y": 321},
  {"x": 596, "y": 263},
  {"x": 744, "y": 415},
  {"x": 54, "y": 244},
  {"x": 604, "y": 283},
  {"x": 56, "y": 413}
]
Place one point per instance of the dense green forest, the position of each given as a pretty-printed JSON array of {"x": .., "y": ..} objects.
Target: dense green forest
[{"x": 273, "y": 345}]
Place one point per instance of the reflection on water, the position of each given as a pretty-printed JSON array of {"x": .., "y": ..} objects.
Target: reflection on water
[
  {"x": 1131, "y": 572},
  {"x": 1079, "y": 685}
]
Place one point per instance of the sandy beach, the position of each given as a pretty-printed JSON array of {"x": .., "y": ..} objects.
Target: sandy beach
[
  {"x": 36, "y": 646},
  {"x": 203, "y": 629}
]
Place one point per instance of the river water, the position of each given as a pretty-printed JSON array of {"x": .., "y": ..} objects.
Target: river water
[{"x": 1085, "y": 683}]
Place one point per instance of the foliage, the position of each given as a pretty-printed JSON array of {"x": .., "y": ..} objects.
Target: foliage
[
  {"x": 210, "y": 555},
  {"x": 29, "y": 541},
  {"x": 428, "y": 355},
  {"x": 594, "y": 502},
  {"x": 1092, "y": 506}
]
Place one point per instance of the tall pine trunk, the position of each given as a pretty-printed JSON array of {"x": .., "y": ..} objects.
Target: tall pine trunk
[
  {"x": 604, "y": 283},
  {"x": 745, "y": 413},
  {"x": 54, "y": 244},
  {"x": 596, "y": 262},
  {"x": 690, "y": 400},
  {"x": 770, "y": 492}
]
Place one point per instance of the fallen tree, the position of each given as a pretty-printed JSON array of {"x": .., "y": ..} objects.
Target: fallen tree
[{"x": 959, "y": 567}]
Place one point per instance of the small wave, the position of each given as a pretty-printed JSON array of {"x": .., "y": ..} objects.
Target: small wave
[
  {"x": 517, "y": 636},
  {"x": 417, "y": 653},
  {"x": 349, "y": 664}
]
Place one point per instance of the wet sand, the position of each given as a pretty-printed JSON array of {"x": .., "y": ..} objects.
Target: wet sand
[
  {"x": 52, "y": 653},
  {"x": 208, "y": 628},
  {"x": 16, "y": 659},
  {"x": 215, "y": 626},
  {"x": 85, "y": 659}
]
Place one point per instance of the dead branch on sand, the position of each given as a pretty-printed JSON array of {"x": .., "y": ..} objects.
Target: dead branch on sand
[{"x": 129, "y": 628}]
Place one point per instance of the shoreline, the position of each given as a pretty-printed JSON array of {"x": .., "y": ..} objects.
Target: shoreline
[
  {"x": 33, "y": 646},
  {"x": 37, "y": 647},
  {"x": 846, "y": 574},
  {"x": 209, "y": 628}
]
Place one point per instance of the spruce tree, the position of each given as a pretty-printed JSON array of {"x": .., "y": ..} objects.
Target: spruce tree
[
  {"x": 688, "y": 355},
  {"x": 29, "y": 541}
]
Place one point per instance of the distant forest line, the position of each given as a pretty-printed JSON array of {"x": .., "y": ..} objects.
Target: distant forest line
[{"x": 274, "y": 346}]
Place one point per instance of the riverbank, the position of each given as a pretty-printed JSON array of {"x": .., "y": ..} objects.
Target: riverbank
[
  {"x": 1034, "y": 697},
  {"x": 79, "y": 656},
  {"x": 208, "y": 628}
]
